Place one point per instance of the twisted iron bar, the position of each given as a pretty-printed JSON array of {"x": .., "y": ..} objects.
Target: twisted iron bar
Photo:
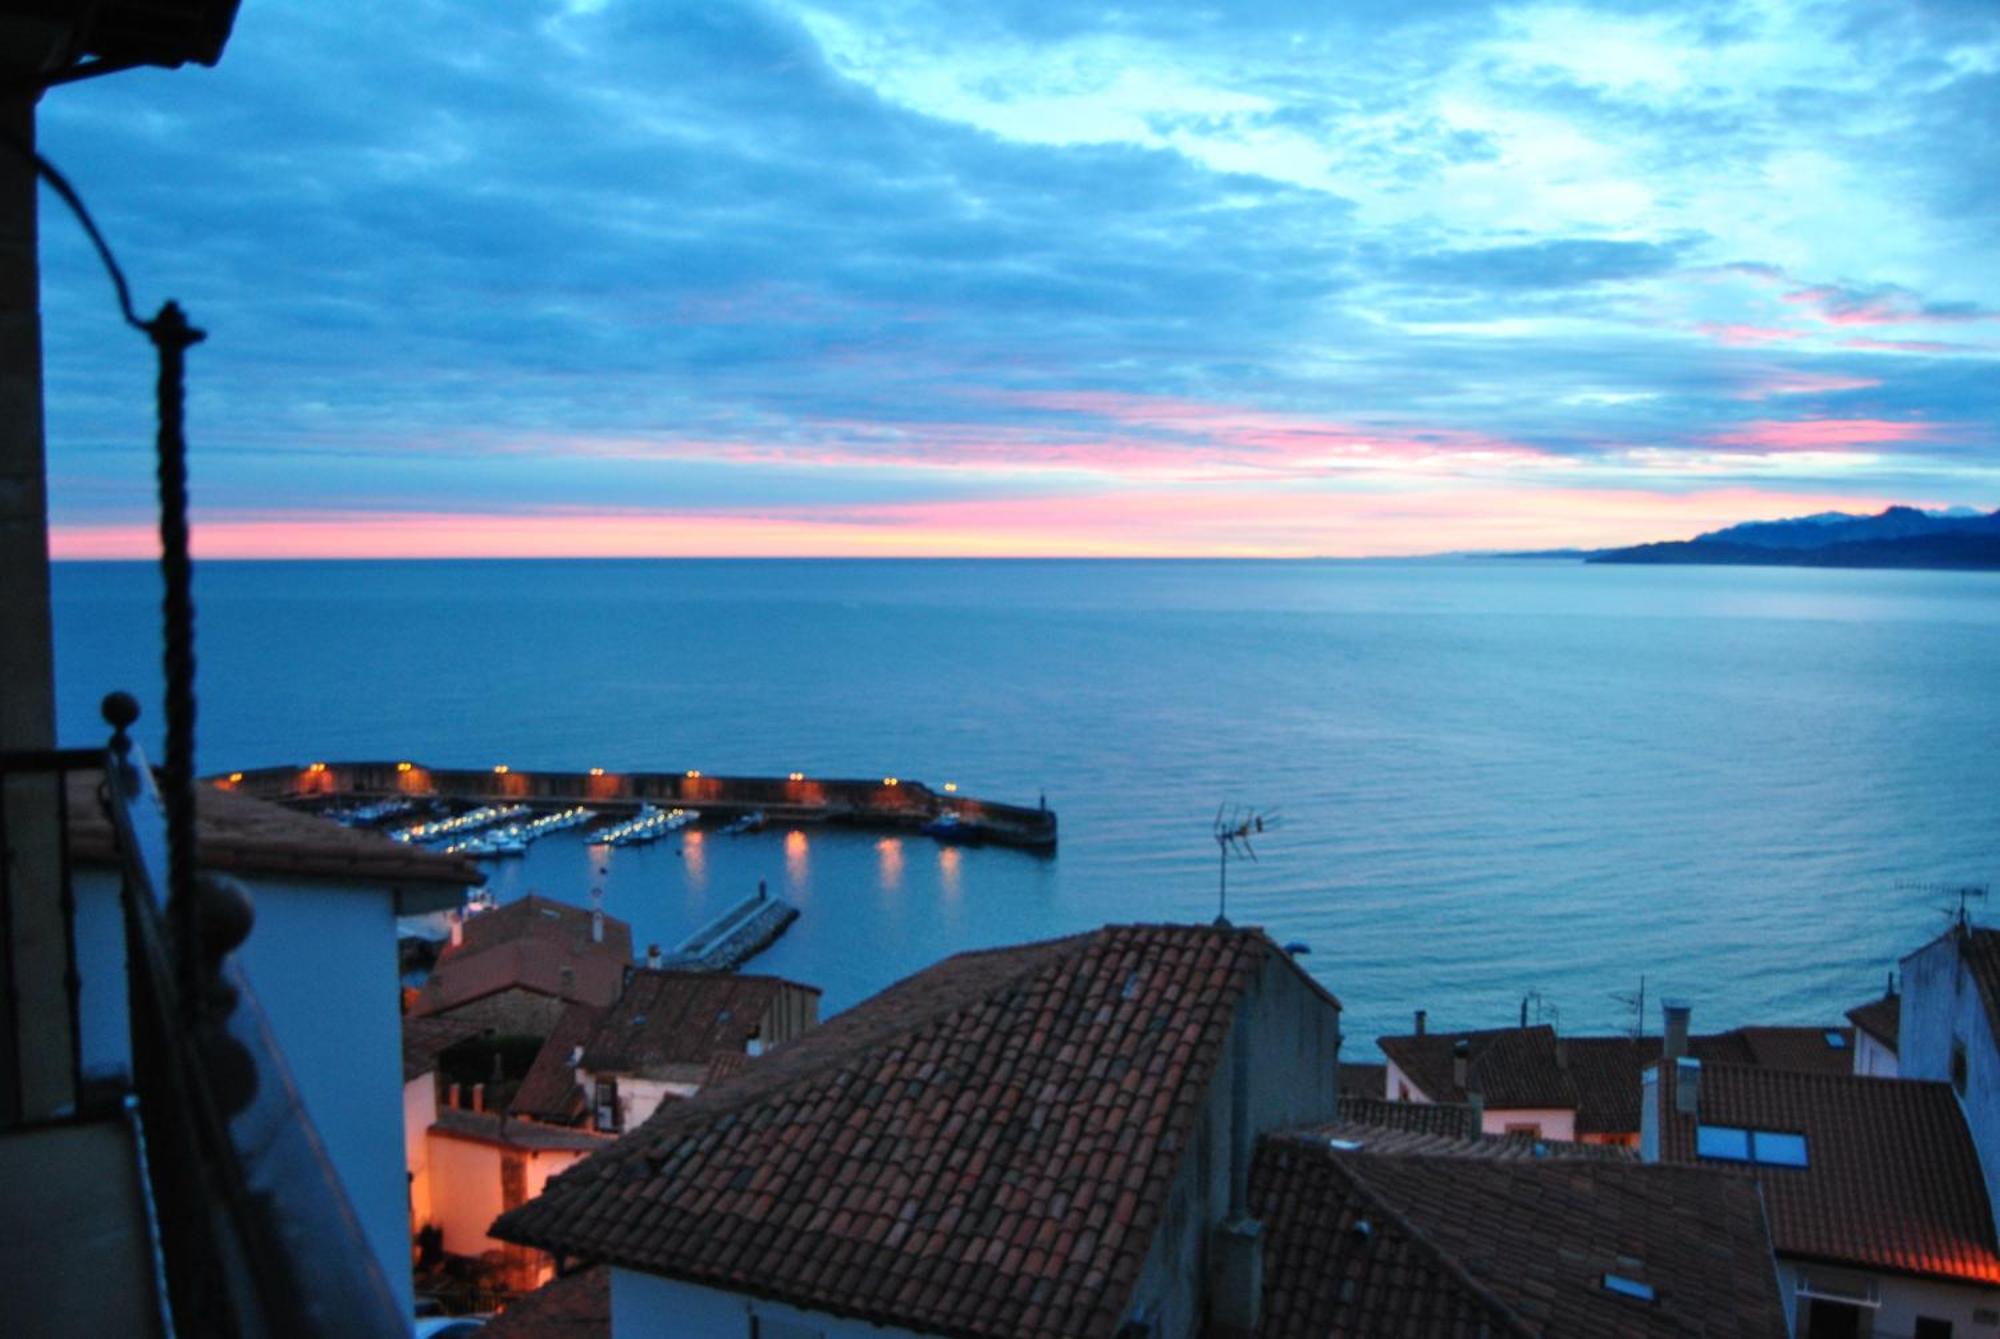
[{"x": 171, "y": 336}]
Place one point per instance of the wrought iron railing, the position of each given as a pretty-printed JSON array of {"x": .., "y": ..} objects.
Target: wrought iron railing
[{"x": 253, "y": 1231}]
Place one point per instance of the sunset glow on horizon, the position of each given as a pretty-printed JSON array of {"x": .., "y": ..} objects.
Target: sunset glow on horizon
[{"x": 897, "y": 279}]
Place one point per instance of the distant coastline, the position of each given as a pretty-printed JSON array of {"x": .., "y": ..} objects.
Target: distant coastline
[{"x": 1899, "y": 537}]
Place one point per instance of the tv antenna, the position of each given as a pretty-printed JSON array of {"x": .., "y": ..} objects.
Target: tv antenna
[
  {"x": 1235, "y": 825},
  {"x": 1636, "y": 1002},
  {"x": 1961, "y": 916},
  {"x": 1544, "y": 1009}
]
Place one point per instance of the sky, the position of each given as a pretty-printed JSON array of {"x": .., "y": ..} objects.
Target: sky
[{"x": 902, "y": 278}]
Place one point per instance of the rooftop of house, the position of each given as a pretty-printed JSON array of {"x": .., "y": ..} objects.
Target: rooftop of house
[
  {"x": 1880, "y": 1019},
  {"x": 1597, "y": 1077},
  {"x": 1363, "y": 1080},
  {"x": 1358, "y": 1244},
  {"x": 549, "y": 1090},
  {"x": 576, "y": 1306},
  {"x": 1979, "y": 950},
  {"x": 1890, "y": 1179},
  {"x": 984, "y": 1148},
  {"x": 1375, "y": 1126},
  {"x": 425, "y": 1039},
  {"x": 494, "y": 1128},
  {"x": 237, "y": 834},
  {"x": 667, "y": 1020},
  {"x": 532, "y": 944}
]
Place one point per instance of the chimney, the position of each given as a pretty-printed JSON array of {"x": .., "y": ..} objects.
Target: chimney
[
  {"x": 1420, "y": 1022},
  {"x": 1890, "y": 993},
  {"x": 1687, "y": 1085},
  {"x": 1461, "y": 1058},
  {"x": 451, "y": 1097},
  {"x": 457, "y": 928},
  {"x": 1562, "y": 1054},
  {"x": 653, "y": 958},
  {"x": 1675, "y": 1041},
  {"x": 479, "y": 1097}
]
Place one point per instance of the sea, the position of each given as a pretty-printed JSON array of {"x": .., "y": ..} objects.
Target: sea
[{"x": 1490, "y": 787}]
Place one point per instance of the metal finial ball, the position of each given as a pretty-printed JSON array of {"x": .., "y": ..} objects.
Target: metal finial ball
[{"x": 119, "y": 710}]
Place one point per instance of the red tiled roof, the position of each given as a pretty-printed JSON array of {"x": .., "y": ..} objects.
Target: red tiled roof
[
  {"x": 576, "y": 1306},
  {"x": 1372, "y": 1138},
  {"x": 529, "y": 944},
  {"x": 1515, "y": 1068},
  {"x": 536, "y": 917},
  {"x": 1364, "y": 1080},
  {"x": 1881, "y": 1019},
  {"x": 1805, "y": 1050},
  {"x": 982, "y": 1149},
  {"x": 1447, "y": 1119},
  {"x": 241, "y": 835},
  {"x": 680, "y": 1018},
  {"x": 1892, "y": 1180},
  {"x": 1456, "y": 1247},
  {"x": 424, "y": 1039},
  {"x": 548, "y": 1091},
  {"x": 493, "y": 1127}
]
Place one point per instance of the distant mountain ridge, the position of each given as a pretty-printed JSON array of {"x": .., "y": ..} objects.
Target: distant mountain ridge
[{"x": 1958, "y": 538}]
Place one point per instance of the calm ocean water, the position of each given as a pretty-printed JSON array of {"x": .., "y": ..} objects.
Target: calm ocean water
[{"x": 1493, "y": 777}]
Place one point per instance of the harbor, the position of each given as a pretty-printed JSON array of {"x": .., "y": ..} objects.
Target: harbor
[{"x": 895, "y": 804}]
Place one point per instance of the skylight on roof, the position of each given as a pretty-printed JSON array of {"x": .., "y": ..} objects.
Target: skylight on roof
[
  {"x": 1624, "y": 1287},
  {"x": 1836, "y": 1040},
  {"x": 1731, "y": 1143}
]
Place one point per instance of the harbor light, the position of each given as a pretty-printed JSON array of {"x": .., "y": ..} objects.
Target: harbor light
[
  {"x": 951, "y": 788},
  {"x": 317, "y": 768},
  {"x": 890, "y": 781},
  {"x": 402, "y": 767},
  {"x": 234, "y": 777},
  {"x": 795, "y": 776},
  {"x": 597, "y": 771},
  {"x": 694, "y": 774},
  {"x": 500, "y": 769}
]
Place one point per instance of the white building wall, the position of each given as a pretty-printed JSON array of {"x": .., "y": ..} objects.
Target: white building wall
[
  {"x": 1942, "y": 1004},
  {"x": 1903, "y": 1300},
  {"x": 466, "y": 1187},
  {"x": 419, "y": 1114},
  {"x": 646, "y": 1306},
  {"x": 1872, "y": 1059},
  {"x": 322, "y": 961},
  {"x": 1549, "y": 1123}
]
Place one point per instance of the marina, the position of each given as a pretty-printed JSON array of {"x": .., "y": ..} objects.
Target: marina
[{"x": 643, "y": 805}]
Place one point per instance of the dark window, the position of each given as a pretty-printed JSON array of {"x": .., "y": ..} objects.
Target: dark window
[
  {"x": 1930, "y": 1327},
  {"x": 1827, "y": 1319}
]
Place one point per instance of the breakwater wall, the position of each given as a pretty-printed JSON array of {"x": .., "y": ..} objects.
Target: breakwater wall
[
  {"x": 737, "y": 936},
  {"x": 882, "y": 802}
]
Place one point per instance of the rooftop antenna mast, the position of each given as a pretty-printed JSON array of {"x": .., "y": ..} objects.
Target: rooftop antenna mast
[
  {"x": 1235, "y": 825},
  {"x": 1636, "y": 1002},
  {"x": 1961, "y": 916}
]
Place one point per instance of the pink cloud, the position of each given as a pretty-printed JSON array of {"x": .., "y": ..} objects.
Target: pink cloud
[
  {"x": 1788, "y": 382},
  {"x": 1740, "y": 335},
  {"x": 1901, "y": 345},
  {"x": 1822, "y": 434},
  {"x": 1267, "y": 520}
]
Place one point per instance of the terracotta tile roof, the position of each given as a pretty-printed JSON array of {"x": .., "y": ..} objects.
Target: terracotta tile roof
[
  {"x": 1516, "y": 1068},
  {"x": 493, "y": 1127},
  {"x": 1892, "y": 1180},
  {"x": 1447, "y": 1119},
  {"x": 425, "y": 1039},
  {"x": 680, "y": 1018},
  {"x": 536, "y": 917},
  {"x": 984, "y": 1148},
  {"x": 1458, "y": 1246},
  {"x": 241, "y": 835},
  {"x": 1391, "y": 1139},
  {"x": 1881, "y": 1019},
  {"x": 549, "y": 1091},
  {"x": 530, "y": 944},
  {"x": 1806, "y": 1050},
  {"x": 576, "y": 1306},
  {"x": 1364, "y": 1080}
]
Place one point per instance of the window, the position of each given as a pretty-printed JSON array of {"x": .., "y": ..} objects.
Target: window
[
  {"x": 1930, "y": 1327},
  {"x": 1531, "y": 1129},
  {"x": 1730, "y": 1143},
  {"x": 1837, "y": 1040},
  {"x": 1624, "y": 1287}
]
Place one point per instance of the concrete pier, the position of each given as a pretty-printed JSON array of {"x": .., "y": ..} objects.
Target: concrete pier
[{"x": 736, "y": 936}]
